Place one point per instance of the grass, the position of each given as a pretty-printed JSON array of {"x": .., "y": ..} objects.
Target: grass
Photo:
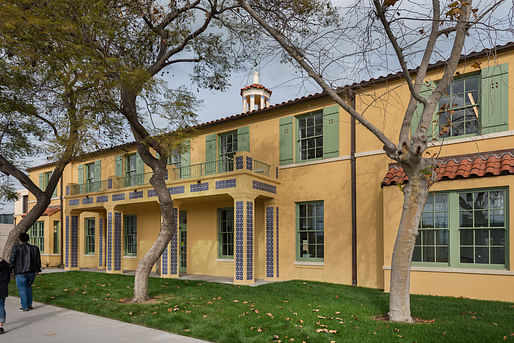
[{"x": 292, "y": 311}]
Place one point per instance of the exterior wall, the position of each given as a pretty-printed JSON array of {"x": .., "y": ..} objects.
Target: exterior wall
[
  {"x": 4, "y": 232},
  {"x": 327, "y": 180}
]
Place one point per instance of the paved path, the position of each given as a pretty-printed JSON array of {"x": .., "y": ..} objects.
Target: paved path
[{"x": 46, "y": 323}]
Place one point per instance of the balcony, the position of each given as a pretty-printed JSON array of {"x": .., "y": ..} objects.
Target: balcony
[{"x": 176, "y": 174}]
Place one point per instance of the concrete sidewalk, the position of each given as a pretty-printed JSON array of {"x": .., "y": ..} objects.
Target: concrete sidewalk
[{"x": 46, "y": 323}]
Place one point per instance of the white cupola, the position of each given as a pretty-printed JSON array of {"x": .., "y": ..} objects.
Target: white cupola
[{"x": 255, "y": 96}]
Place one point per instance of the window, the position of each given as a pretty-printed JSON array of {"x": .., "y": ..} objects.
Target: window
[
  {"x": 228, "y": 148},
  {"x": 432, "y": 241},
  {"x": 464, "y": 229},
  {"x": 459, "y": 107},
  {"x": 25, "y": 203},
  {"x": 37, "y": 235},
  {"x": 310, "y": 136},
  {"x": 90, "y": 236},
  {"x": 56, "y": 233},
  {"x": 131, "y": 235},
  {"x": 130, "y": 170},
  {"x": 310, "y": 231},
  {"x": 226, "y": 232},
  {"x": 174, "y": 158},
  {"x": 44, "y": 178},
  {"x": 91, "y": 184}
]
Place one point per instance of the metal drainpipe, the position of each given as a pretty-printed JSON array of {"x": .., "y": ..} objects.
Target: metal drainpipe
[
  {"x": 353, "y": 163},
  {"x": 61, "y": 230}
]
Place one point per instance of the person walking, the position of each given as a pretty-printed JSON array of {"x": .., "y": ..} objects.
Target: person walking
[
  {"x": 25, "y": 262},
  {"x": 5, "y": 276}
]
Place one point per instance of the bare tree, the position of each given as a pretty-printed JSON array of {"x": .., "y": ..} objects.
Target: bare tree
[{"x": 292, "y": 25}]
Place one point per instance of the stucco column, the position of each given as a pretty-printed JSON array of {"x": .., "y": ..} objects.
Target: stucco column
[
  {"x": 245, "y": 104},
  {"x": 170, "y": 256},
  {"x": 263, "y": 101},
  {"x": 114, "y": 241},
  {"x": 271, "y": 212},
  {"x": 71, "y": 241},
  {"x": 244, "y": 268},
  {"x": 252, "y": 102}
]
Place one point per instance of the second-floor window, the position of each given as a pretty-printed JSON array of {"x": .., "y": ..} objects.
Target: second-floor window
[
  {"x": 310, "y": 136},
  {"x": 90, "y": 177},
  {"x": 459, "y": 108},
  {"x": 228, "y": 148},
  {"x": 131, "y": 170}
]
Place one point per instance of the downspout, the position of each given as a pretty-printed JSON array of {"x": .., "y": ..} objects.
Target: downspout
[
  {"x": 61, "y": 230},
  {"x": 354, "y": 193}
]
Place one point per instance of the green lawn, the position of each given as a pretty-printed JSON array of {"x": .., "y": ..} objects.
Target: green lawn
[{"x": 293, "y": 311}]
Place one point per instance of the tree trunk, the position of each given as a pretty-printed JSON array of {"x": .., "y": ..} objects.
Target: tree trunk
[
  {"x": 166, "y": 232},
  {"x": 415, "y": 195}
]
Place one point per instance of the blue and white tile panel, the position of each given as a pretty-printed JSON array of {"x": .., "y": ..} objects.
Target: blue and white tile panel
[
  {"x": 249, "y": 240},
  {"x": 239, "y": 162},
  {"x": 100, "y": 242},
  {"x": 67, "y": 247},
  {"x": 86, "y": 201},
  {"x": 230, "y": 183},
  {"x": 249, "y": 163},
  {"x": 239, "y": 240},
  {"x": 276, "y": 262},
  {"x": 198, "y": 187},
  {"x": 74, "y": 241},
  {"x": 164, "y": 259},
  {"x": 136, "y": 195},
  {"x": 174, "y": 245},
  {"x": 67, "y": 190},
  {"x": 261, "y": 186},
  {"x": 109, "y": 241},
  {"x": 102, "y": 198},
  {"x": 118, "y": 197},
  {"x": 74, "y": 202},
  {"x": 269, "y": 242},
  {"x": 117, "y": 240},
  {"x": 109, "y": 183},
  {"x": 177, "y": 190}
]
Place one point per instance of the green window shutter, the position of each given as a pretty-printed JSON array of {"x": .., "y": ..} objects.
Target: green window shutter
[
  {"x": 81, "y": 174},
  {"x": 286, "y": 140},
  {"x": 54, "y": 194},
  {"x": 210, "y": 154},
  {"x": 243, "y": 139},
  {"x": 119, "y": 165},
  {"x": 140, "y": 166},
  {"x": 494, "y": 99},
  {"x": 98, "y": 170},
  {"x": 331, "y": 131},
  {"x": 185, "y": 160},
  {"x": 42, "y": 185},
  {"x": 426, "y": 90}
]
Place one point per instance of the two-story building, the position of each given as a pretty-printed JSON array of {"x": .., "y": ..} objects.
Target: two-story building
[{"x": 298, "y": 190}]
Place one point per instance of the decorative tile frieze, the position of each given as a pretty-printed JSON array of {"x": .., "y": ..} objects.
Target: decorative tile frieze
[
  {"x": 198, "y": 187},
  {"x": 118, "y": 197},
  {"x": 86, "y": 201},
  {"x": 249, "y": 240},
  {"x": 239, "y": 162},
  {"x": 117, "y": 241},
  {"x": 276, "y": 172},
  {"x": 109, "y": 241},
  {"x": 74, "y": 202},
  {"x": 269, "y": 241},
  {"x": 249, "y": 163},
  {"x": 179, "y": 189},
  {"x": 231, "y": 183},
  {"x": 239, "y": 240},
  {"x": 100, "y": 242},
  {"x": 67, "y": 190},
  {"x": 102, "y": 198},
  {"x": 109, "y": 183},
  {"x": 174, "y": 244},
  {"x": 136, "y": 195},
  {"x": 74, "y": 241},
  {"x": 261, "y": 186}
]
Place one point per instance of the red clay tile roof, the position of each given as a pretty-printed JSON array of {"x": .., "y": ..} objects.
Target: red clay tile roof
[
  {"x": 49, "y": 211},
  {"x": 491, "y": 163},
  {"x": 255, "y": 85}
]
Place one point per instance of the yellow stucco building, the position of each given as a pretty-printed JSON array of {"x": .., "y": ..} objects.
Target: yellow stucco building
[{"x": 298, "y": 190}]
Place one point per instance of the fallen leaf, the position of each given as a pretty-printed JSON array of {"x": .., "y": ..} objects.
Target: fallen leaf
[{"x": 269, "y": 315}]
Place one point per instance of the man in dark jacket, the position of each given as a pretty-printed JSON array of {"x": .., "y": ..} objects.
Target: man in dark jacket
[{"x": 25, "y": 262}]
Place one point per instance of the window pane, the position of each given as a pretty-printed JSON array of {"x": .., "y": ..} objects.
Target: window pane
[
  {"x": 466, "y": 255},
  {"x": 416, "y": 256},
  {"x": 418, "y": 239},
  {"x": 428, "y": 254},
  {"x": 497, "y": 218},
  {"x": 466, "y": 237},
  {"x": 441, "y": 220},
  {"x": 441, "y": 202},
  {"x": 481, "y": 237},
  {"x": 466, "y": 219},
  {"x": 496, "y": 198},
  {"x": 472, "y": 83},
  {"x": 458, "y": 129},
  {"x": 471, "y": 126},
  {"x": 458, "y": 86},
  {"x": 481, "y": 255},
  {"x": 497, "y": 237},
  {"x": 466, "y": 201},
  {"x": 481, "y": 218},
  {"x": 498, "y": 255},
  {"x": 427, "y": 220},
  {"x": 481, "y": 200},
  {"x": 442, "y": 254},
  {"x": 428, "y": 237},
  {"x": 429, "y": 204},
  {"x": 442, "y": 237}
]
